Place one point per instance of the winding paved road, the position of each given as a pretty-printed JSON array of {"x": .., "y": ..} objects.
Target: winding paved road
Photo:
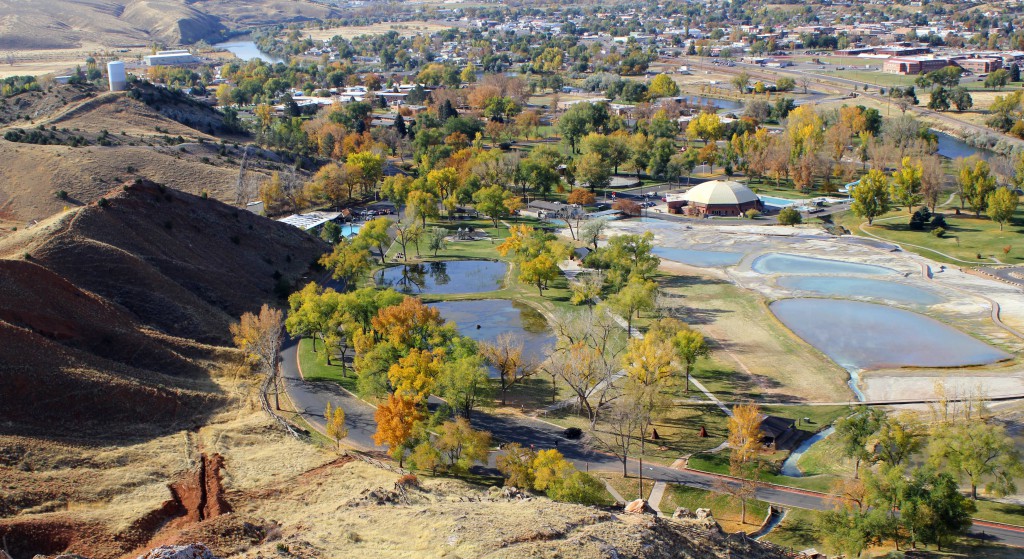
[{"x": 310, "y": 399}]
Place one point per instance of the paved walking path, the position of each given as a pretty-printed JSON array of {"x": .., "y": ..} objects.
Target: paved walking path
[{"x": 657, "y": 494}]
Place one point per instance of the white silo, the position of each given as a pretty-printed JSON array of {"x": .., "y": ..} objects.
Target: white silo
[{"x": 115, "y": 72}]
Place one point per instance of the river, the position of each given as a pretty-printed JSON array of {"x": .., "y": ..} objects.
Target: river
[{"x": 246, "y": 49}]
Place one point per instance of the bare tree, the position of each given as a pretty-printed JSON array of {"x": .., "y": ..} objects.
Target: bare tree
[
  {"x": 625, "y": 424},
  {"x": 586, "y": 357},
  {"x": 9, "y": 58},
  {"x": 507, "y": 356},
  {"x": 243, "y": 186},
  {"x": 258, "y": 336},
  {"x": 933, "y": 178}
]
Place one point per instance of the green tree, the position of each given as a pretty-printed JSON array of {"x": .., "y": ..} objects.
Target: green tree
[
  {"x": 540, "y": 169},
  {"x": 662, "y": 86},
  {"x": 461, "y": 446},
  {"x": 980, "y": 452},
  {"x": 975, "y": 182},
  {"x": 423, "y": 204},
  {"x": 593, "y": 171},
  {"x": 464, "y": 384},
  {"x": 330, "y": 232},
  {"x": 855, "y": 431},
  {"x": 374, "y": 233},
  {"x": 575, "y": 123},
  {"x": 637, "y": 296},
  {"x": 871, "y": 196},
  {"x": 493, "y": 201},
  {"x": 997, "y": 79},
  {"x": 1002, "y": 204},
  {"x": 741, "y": 82},
  {"x": 437, "y": 239},
  {"x": 539, "y": 271},
  {"x": 789, "y": 216},
  {"x": 516, "y": 463},
  {"x": 690, "y": 346}
]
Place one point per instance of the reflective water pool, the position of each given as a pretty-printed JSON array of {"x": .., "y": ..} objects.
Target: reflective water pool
[
  {"x": 778, "y": 263},
  {"x": 485, "y": 319},
  {"x": 700, "y": 258},
  {"x": 444, "y": 277},
  {"x": 870, "y": 336},
  {"x": 860, "y": 287}
]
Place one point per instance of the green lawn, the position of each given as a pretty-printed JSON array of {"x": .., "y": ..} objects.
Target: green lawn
[
  {"x": 797, "y": 531},
  {"x": 1000, "y": 512},
  {"x": 315, "y": 367},
  {"x": 867, "y": 76},
  {"x": 966, "y": 236},
  {"x": 719, "y": 464}
]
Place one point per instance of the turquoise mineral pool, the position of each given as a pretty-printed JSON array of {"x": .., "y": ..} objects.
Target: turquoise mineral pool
[
  {"x": 778, "y": 263},
  {"x": 860, "y": 287},
  {"x": 860, "y": 335},
  {"x": 445, "y": 277},
  {"x": 699, "y": 258}
]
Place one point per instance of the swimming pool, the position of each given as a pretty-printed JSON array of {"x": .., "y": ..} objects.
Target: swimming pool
[
  {"x": 781, "y": 263},
  {"x": 777, "y": 202}
]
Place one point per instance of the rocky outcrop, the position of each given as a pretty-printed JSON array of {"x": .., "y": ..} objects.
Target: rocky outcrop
[
  {"x": 190, "y": 551},
  {"x": 701, "y": 519}
]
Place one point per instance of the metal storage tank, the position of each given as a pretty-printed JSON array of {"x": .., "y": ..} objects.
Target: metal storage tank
[{"x": 116, "y": 75}]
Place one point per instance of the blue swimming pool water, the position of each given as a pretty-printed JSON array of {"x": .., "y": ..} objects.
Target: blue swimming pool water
[
  {"x": 861, "y": 287},
  {"x": 870, "y": 336},
  {"x": 776, "y": 202},
  {"x": 699, "y": 258},
  {"x": 778, "y": 263}
]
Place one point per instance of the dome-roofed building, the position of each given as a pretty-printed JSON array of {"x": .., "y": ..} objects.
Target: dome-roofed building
[{"x": 724, "y": 198}]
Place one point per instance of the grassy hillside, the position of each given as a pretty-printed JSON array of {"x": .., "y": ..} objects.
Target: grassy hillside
[{"x": 115, "y": 315}]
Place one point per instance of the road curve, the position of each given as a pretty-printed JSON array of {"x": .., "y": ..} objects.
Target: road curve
[{"x": 310, "y": 399}]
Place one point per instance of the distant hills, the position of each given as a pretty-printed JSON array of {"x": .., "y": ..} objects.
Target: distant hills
[{"x": 62, "y": 24}]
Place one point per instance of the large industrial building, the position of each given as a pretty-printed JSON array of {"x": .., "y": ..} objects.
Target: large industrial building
[
  {"x": 721, "y": 198},
  {"x": 171, "y": 58}
]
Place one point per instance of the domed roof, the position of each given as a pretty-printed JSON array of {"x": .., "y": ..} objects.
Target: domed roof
[{"x": 720, "y": 193}]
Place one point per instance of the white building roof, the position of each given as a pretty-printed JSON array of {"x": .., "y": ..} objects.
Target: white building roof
[
  {"x": 719, "y": 192},
  {"x": 310, "y": 220}
]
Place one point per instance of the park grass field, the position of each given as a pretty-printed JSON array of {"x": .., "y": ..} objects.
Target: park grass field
[
  {"x": 404, "y": 28},
  {"x": 966, "y": 236}
]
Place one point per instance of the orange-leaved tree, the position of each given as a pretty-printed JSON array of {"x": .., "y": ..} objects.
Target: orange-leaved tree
[{"x": 396, "y": 420}]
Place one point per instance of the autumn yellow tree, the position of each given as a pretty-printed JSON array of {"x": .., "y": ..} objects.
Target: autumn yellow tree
[
  {"x": 258, "y": 336},
  {"x": 745, "y": 432},
  {"x": 415, "y": 375},
  {"x": 336, "y": 429},
  {"x": 396, "y": 420}
]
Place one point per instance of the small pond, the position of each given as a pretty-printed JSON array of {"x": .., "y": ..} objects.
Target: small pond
[
  {"x": 699, "y": 258},
  {"x": 717, "y": 103},
  {"x": 860, "y": 287},
  {"x": 860, "y": 335},
  {"x": 444, "y": 277},
  {"x": 247, "y": 50},
  {"x": 485, "y": 319},
  {"x": 778, "y": 263}
]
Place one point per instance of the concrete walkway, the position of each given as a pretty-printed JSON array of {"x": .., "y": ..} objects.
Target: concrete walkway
[
  {"x": 657, "y": 494},
  {"x": 615, "y": 494}
]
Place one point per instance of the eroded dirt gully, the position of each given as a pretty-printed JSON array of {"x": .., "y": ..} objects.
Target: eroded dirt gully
[{"x": 197, "y": 498}]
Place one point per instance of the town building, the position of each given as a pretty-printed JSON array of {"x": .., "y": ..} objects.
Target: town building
[
  {"x": 171, "y": 58},
  {"x": 715, "y": 198},
  {"x": 914, "y": 65}
]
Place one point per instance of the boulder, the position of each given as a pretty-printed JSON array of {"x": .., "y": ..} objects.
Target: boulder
[
  {"x": 190, "y": 551},
  {"x": 640, "y": 506}
]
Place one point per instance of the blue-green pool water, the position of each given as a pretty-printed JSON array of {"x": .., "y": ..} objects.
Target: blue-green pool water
[
  {"x": 700, "y": 258},
  {"x": 860, "y": 287},
  {"x": 779, "y": 263},
  {"x": 869, "y": 336}
]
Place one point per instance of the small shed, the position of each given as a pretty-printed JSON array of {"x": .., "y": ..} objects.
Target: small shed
[{"x": 778, "y": 432}]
